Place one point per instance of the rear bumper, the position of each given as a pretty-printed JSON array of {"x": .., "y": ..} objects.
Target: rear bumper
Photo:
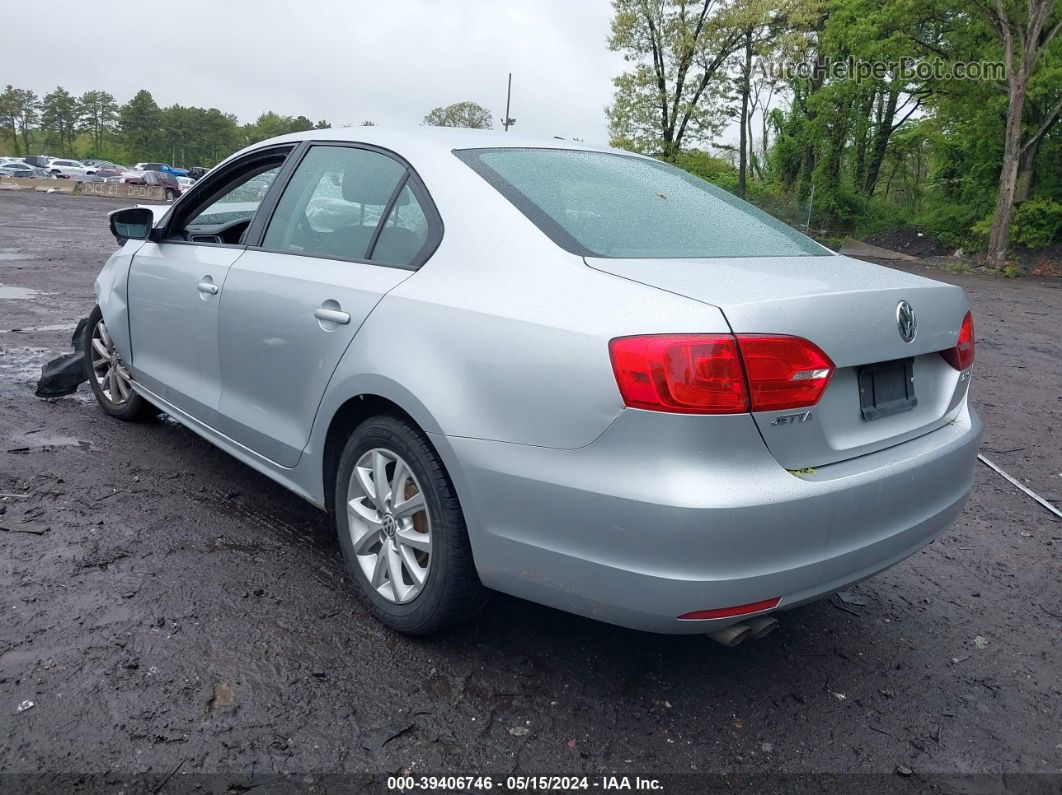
[{"x": 667, "y": 514}]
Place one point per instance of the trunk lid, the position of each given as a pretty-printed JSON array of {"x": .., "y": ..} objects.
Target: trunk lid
[{"x": 849, "y": 309}]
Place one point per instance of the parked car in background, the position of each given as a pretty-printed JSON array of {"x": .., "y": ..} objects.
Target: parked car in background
[
  {"x": 165, "y": 168},
  {"x": 110, "y": 171},
  {"x": 18, "y": 168},
  {"x": 395, "y": 326},
  {"x": 101, "y": 164},
  {"x": 197, "y": 172},
  {"x": 140, "y": 177},
  {"x": 41, "y": 161},
  {"x": 69, "y": 168},
  {"x": 185, "y": 183}
]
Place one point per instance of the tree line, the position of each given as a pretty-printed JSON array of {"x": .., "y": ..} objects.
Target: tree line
[
  {"x": 853, "y": 110},
  {"x": 95, "y": 125}
]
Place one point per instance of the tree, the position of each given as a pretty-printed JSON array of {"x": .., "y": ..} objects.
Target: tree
[
  {"x": 19, "y": 111},
  {"x": 1026, "y": 29},
  {"x": 678, "y": 50},
  {"x": 98, "y": 117},
  {"x": 460, "y": 114},
  {"x": 9, "y": 116},
  {"x": 59, "y": 118},
  {"x": 140, "y": 121},
  {"x": 270, "y": 125}
]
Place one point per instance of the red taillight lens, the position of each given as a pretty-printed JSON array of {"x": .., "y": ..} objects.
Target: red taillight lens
[
  {"x": 962, "y": 355},
  {"x": 684, "y": 373},
  {"x": 784, "y": 372},
  {"x": 703, "y": 374}
]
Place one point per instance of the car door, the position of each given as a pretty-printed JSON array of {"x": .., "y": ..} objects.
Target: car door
[
  {"x": 351, "y": 224},
  {"x": 176, "y": 283}
]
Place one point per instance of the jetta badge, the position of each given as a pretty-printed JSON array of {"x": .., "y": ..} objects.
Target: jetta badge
[{"x": 905, "y": 321}]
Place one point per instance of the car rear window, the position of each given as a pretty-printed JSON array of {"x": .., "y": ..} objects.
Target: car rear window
[{"x": 600, "y": 204}]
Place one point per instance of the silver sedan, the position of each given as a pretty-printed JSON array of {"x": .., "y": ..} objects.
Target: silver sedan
[{"x": 569, "y": 373}]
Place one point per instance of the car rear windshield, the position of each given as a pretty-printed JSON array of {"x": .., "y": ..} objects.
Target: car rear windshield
[{"x": 599, "y": 204}]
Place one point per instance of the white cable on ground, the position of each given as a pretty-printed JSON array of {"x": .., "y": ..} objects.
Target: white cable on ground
[{"x": 1027, "y": 490}]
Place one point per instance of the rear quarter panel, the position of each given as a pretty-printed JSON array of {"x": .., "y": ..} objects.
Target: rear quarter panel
[{"x": 501, "y": 335}]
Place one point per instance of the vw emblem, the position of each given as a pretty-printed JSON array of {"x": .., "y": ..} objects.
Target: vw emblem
[
  {"x": 389, "y": 526},
  {"x": 905, "y": 321}
]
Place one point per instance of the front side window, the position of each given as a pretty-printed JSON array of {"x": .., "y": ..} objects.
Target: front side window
[
  {"x": 334, "y": 203},
  {"x": 600, "y": 204},
  {"x": 240, "y": 200}
]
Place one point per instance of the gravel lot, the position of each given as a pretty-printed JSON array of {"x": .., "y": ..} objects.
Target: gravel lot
[{"x": 184, "y": 613}]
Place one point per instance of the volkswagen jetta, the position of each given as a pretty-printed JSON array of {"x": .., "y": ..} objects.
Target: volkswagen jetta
[{"x": 569, "y": 373}]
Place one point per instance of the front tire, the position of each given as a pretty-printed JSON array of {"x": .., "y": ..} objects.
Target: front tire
[
  {"x": 401, "y": 529},
  {"x": 170, "y": 195},
  {"x": 108, "y": 376}
]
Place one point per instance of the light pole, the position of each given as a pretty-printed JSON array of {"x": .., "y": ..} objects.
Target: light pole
[{"x": 508, "y": 121}]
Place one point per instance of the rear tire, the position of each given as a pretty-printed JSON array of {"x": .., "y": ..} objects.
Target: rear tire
[
  {"x": 408, "y": 552},
  {"x": 108, "y": 376}
]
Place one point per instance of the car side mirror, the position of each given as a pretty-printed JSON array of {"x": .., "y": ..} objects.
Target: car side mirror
[{"x": 132, "y": 223}]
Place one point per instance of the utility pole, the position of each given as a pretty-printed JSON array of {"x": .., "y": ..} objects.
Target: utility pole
[{"x": 508, "y": 121}]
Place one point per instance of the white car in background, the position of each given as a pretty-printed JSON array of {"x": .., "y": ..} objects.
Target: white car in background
[
  {"x": 185, "y": 183},
  {"x": 69, "y": 168}
]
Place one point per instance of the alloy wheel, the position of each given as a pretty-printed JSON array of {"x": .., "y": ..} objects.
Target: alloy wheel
[
  {"x": 390, "y": 527},
  {"x": 111, "y": 375}
]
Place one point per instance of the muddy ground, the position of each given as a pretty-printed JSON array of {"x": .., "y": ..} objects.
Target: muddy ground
[{"x": 184, "y": 613}]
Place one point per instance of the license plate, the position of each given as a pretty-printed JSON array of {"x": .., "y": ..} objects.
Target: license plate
[{"x": 886, "y": 388}]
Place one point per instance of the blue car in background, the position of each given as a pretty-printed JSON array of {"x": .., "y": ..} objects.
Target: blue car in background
[{"x": 165, "y": 168}]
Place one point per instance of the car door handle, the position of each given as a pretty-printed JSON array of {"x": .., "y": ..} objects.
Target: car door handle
[
  {"x": 207, "y": 287},
  {"x": 331, "y": 316}
]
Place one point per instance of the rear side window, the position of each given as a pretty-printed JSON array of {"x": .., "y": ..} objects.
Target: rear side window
[
  {"x": 600, "y": 204},
  {"x": 404, "y": 233},
  {"x": 334, "y": 203}
]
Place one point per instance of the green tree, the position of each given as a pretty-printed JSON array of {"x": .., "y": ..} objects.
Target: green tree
[
  {"x": 271, "y": 124},
  {"x": 59, "y": 117},
  {"x": 20, "y": 111},
  {"x": 1025, "y": 29},
  {"x": 140, "y": 121},
  {"x": 9, "y": 116},
  {"x": 678, "y": 50},
  {"x": 460, "y": 114},
  {"x": 98, "y": 117}
]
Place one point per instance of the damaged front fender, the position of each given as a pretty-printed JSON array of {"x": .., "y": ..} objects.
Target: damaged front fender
[{"x": 112, "y": 293}]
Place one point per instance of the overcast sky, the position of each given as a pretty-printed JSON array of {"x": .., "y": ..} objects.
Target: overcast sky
[{"x": 346, "y": 61}]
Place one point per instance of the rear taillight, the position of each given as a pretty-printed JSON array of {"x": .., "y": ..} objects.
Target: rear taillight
[
  {"x": 704, "y": 374},
  {"x": 684, "y": 373},
  {"x": 962, "y": 355},
  {"x": 784, "y": 372}
]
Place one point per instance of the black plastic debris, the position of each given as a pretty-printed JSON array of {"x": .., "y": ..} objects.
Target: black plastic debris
[{"x": 62, "y": 376}]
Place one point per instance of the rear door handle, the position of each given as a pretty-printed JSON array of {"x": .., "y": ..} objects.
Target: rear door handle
[
  {"x": 331, "y": 316},
  {"x": 207, "y": 287}
]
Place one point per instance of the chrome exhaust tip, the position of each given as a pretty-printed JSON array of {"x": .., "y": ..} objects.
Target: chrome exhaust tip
[
  {"x": 761, "y": 626},
  {"x": 732, "y": 635}
]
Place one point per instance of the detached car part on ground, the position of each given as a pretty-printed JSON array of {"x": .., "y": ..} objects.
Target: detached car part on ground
[{"x": 572, "y": 374}]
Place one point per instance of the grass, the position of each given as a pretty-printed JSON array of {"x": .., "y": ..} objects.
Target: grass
[
  {"x": 802, "y": 471},
  {"x": 957, "y": 267}
]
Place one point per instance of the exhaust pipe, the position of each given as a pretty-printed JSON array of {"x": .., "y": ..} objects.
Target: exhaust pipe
[
  {"x": 753, "y": 629},
  {"x": 732, "y": 635},
  {"x": 761, "y": 626}
]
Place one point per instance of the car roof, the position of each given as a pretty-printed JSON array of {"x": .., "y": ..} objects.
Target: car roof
[{"x": 422, "y": 141}]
